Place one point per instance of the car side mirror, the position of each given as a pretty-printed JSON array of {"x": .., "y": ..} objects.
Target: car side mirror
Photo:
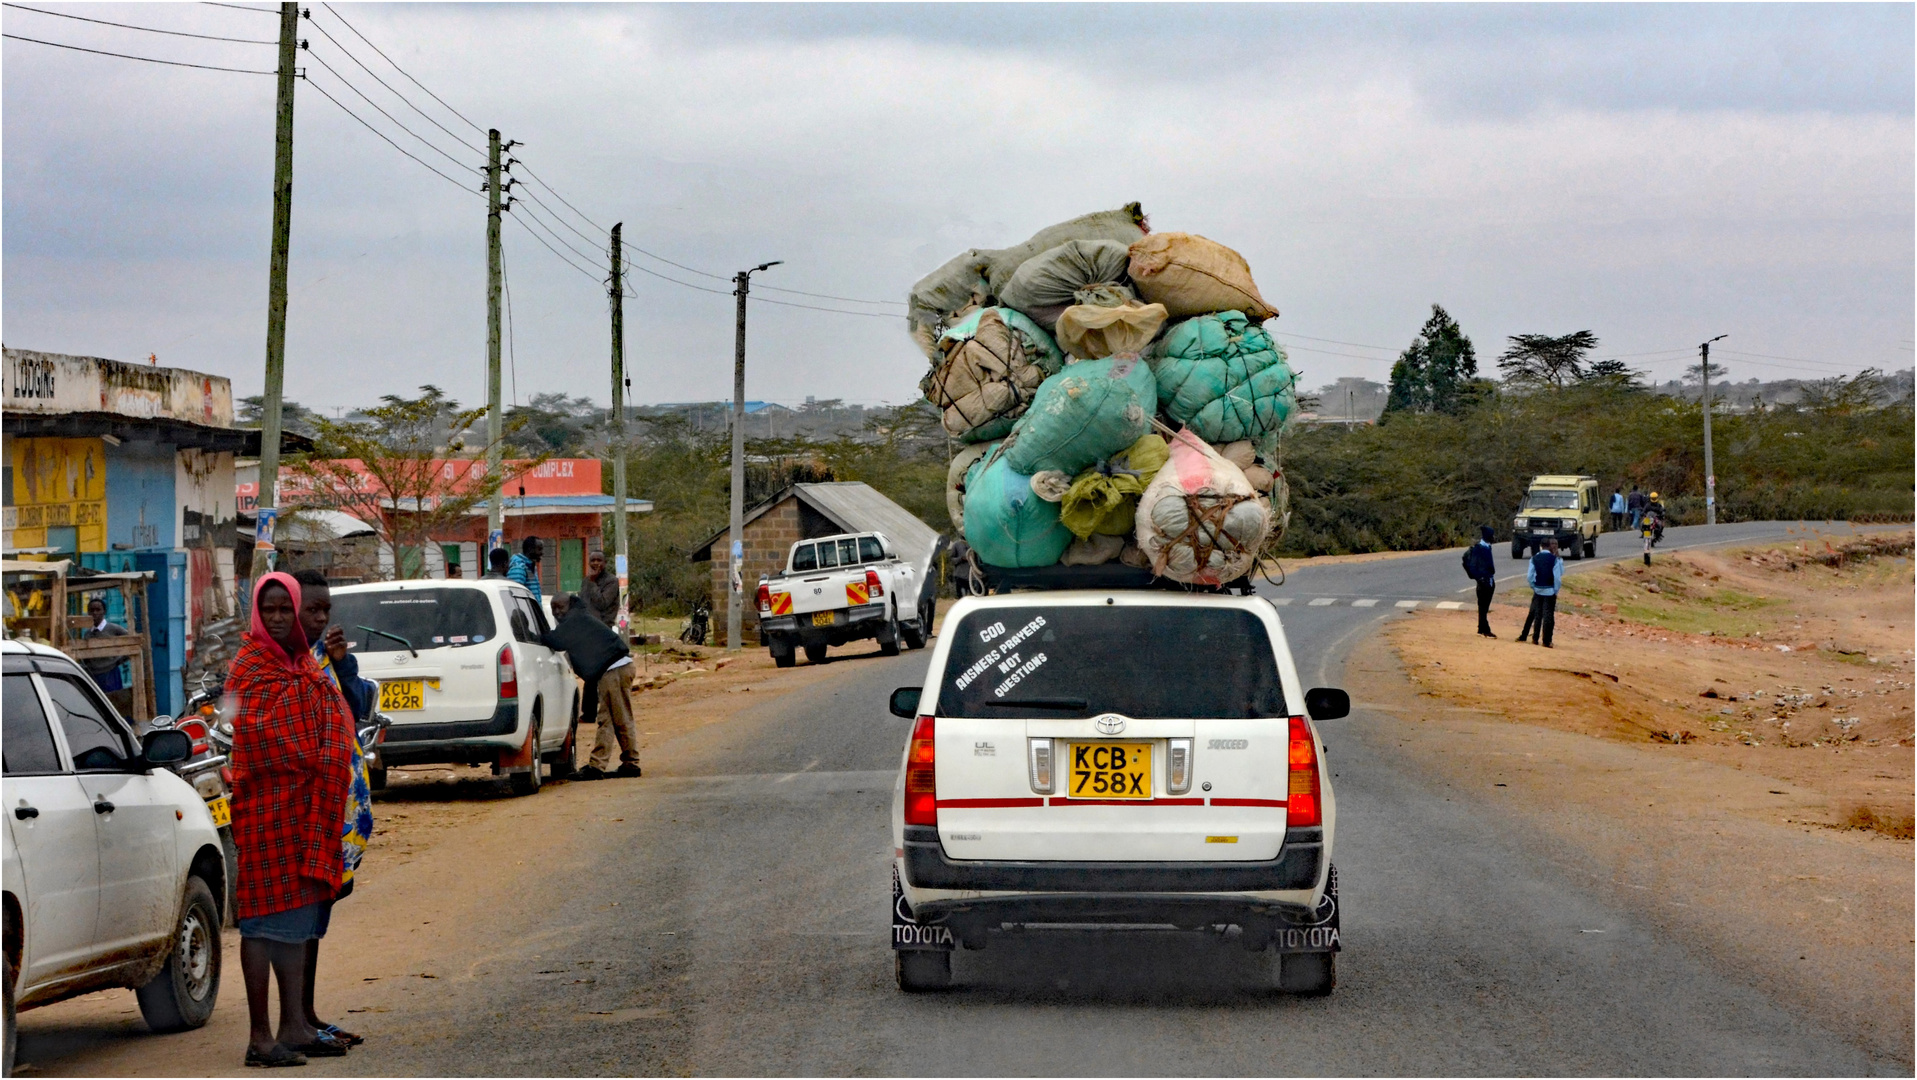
[
  {"x": 905, "y": 701},
  {"x": 1324, "y": 703},
  {"x": 166, "y": 747}
]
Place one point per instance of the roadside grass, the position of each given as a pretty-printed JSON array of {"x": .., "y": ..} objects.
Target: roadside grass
[{"x": 1674, "y": 594}]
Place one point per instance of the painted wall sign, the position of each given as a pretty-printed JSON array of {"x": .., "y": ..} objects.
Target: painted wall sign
[{"x": 55, "y": 384}]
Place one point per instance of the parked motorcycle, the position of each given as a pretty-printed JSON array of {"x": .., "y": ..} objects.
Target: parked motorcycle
[{"x": 696, "y": 627}]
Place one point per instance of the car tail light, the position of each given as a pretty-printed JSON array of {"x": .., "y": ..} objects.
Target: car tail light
[
  {"x": 921, "y": 780},
  {"x": 873, "y": 586},
  {"x": 1039, "y": 755},
  {"x": 765, "y": 600},
  {"x": 508, "y": 674},
  {"x": 1302, "y": 806},
  {"x": 1177, "y": 766}
]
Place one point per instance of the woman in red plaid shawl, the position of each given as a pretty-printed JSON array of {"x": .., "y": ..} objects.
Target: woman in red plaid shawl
[{"x": 290, "y": 774}]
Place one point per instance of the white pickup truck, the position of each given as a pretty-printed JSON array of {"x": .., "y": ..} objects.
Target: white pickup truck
[{"x": 841, "y": 588}]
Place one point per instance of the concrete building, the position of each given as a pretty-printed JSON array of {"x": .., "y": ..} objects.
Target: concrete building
[{"x": 802, "y": 512}]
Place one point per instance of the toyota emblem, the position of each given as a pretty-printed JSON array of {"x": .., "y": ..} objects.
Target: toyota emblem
[{"x": 1110, "y": 724}]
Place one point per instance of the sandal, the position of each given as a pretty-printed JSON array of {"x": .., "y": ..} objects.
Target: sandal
[
  {"x": 324, "y": 1046},
  {"x": 341, "y": 1034},
  {"x": 279, "y": 1057}
]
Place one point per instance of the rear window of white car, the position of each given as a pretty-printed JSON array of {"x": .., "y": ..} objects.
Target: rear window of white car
[
  {"x": 1079, "y": 661},
  {"x": 428, "y": 618},
  {"x": 827, "y": 554}
]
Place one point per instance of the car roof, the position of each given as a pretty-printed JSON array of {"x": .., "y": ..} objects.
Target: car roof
[
  {"x": 1562, "y": 481},
  {"x": 480, "y": 584},
  {"x": 1117, "y": 597},
  {"x": 843, "y": 536},
  {"x": 18, "y": 647}
]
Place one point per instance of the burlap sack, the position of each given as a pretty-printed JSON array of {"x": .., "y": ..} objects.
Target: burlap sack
[
  {"x": 1191, "y": 275},
  {"x": 992, "y": 365},
  {"x": 1091, "y": 333},
  {"x": 1199, "y": 520},
  {"x": 962, "y": 462},
  {"x": 1123, "y": 225},
  {"x": 1054, "y": 280}
]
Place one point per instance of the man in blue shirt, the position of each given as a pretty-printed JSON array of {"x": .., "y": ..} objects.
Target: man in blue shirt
[
  {"x": 1617, "y": 510},
  {"x": 1545, "y": 575},
  {"x": 525, "y": 565},
  {"x": 1482, "y": 566}
]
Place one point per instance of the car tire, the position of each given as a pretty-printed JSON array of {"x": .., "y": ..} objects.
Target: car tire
[
  {"x": 784, "y": 659},
  {"x": 231, "y": 852},
  {"x": 1590, "y": 547},
  {"x": 815, "y": 654},
  {"x": 920, "y": 970},
  {"x": 913, "y": 637},
  {"x": 528, "y": 782},
  {"x": 376, "y": 777},
  {"x": 1312, "y": 974},
  {"x": 890, "y": 638},
  {"x": 181, "y": 997},
  {"x": 1517, "y": 549},
  {"x": 12, "y": 976},
  {"x": 565, "y": 760}
]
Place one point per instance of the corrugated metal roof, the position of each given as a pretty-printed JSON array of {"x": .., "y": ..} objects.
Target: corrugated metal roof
[{"x": 858, "y": 507}]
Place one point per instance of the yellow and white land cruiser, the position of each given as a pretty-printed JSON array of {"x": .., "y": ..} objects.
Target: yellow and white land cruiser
[
  {"x": 1128, "y": 759},
  {"x": 1561, "y": 508}
]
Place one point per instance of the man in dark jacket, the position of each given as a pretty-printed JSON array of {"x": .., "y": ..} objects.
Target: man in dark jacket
[
  {"x": 1635, "y": 504},
  {"x": 1482, "y": 566},
  {"x": 600, "y": 590},
  {"x": 604, "y": 663},
  {"x": 1545, "y": 576}
]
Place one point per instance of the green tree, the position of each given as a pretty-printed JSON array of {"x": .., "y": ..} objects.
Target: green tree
[
  {"x": 1611, "y": 373},
  {"x": 1438, "y": 373},
  {"x": 1538, "y": 359}
]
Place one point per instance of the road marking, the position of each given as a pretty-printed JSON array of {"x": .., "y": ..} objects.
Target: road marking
[
  {"x": 1364, "y": 603},
  {"x": 1281, "y": 601},
  {"x": 1323, "y": 601},
  {"x": 1407, "y": 603},
  {"x": 1449, "y": 605}
]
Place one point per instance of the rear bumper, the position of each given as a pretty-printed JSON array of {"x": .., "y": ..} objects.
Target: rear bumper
[
  {"x": 847, "y": 623},
  {"x": 469, "y": 741},
  {"x": 1298, "y": 866}
]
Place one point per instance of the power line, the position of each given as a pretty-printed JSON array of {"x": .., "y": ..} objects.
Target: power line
[
  {"x": 423, "y": 163},
  {"x": 409, "y": 78},
  {"x": 148, "y": 29},
  {"x": 130, "y": 56},
  {"x": 1793, "y": 359},
  {"x": 409, "y": 103},
  {"x": 569, "y": 206},
  {"x": 240, "y": 7},
  {"x": 542, "y": 240},
  {"x": 590, "y": 259},
  {"x": 389, "y": 116},
  {"x": 839, "y": 311}
]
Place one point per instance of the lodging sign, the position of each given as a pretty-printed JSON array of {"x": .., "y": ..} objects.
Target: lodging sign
[{"x": 53, "y": 384}]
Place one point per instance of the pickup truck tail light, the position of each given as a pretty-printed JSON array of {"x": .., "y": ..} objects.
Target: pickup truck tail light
[
  {"x": 508, "y": 675},
  {"x": 1301, "y": 805},
  {"x": 874, "y": 588},
  {"x": 765, "y": 600},
  {"x": 921, "y": 779}
]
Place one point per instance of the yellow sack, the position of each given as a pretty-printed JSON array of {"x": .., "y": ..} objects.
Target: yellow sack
[
  {"x": 1103, "y": 498},
  {"x": 1191, "y": 275},
  {"x": 1093, "y": 333}
]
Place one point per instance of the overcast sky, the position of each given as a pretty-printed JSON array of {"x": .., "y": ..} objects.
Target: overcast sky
[{"x": 1655, "y": 174}]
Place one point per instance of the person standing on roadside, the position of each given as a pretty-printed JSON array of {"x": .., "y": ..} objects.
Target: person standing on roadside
[
  {"x": 341, "y": 668},
  {"x": 292, "y": 729},
  {"x": 1617, "y": 509},
  {"x": 600, "y": 590},
  {"x": 525, "y": 565},
  {"x": 498, "y": 561},
  {"x": 604, "y": 663},
  {"x": 1545, "y": 575},
  {"x": 1635, "y": 505},
  {"x": 1481, "y": 563}
]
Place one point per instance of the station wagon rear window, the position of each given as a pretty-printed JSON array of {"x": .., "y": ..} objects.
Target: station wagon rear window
[
  {"x": 1079, "y": 661},
  {"x": 428, "y": 618}
]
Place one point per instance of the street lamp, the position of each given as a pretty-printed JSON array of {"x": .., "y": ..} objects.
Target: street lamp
[
  {"x": 735, "y": 581},
  {"x": 1710, "y": 473}
]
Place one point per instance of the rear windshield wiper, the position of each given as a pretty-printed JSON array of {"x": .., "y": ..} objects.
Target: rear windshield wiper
[
  {"x": 394, "y": 637},
  {"x": 1062, "y": 704}
]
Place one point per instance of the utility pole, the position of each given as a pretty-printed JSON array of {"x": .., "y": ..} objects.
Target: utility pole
[
  {"x": 619, "y": 416},
  {"x": 495, "y": 422},
  {"x": 735, "y": 580},
  {"x": 267, "y": 508},
  {"x": 1710, "y": 471}
]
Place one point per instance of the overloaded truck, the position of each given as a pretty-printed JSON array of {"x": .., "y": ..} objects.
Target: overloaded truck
[{"x": 843, "y": 588}]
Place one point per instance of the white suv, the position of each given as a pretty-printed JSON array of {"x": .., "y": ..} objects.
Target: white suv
[
  {"x": 112, "y": 865},
  {"x": 1130, "y": 758},
  {"x": 463, "y": 676}
]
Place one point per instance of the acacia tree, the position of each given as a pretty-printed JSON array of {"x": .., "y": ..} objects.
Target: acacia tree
[
  {"x": 1611, "y": 373},
  {"x": 1540, "y": 358},
  {"x": 1438, "y": 373},
  {"x": 409, "y": 467}
]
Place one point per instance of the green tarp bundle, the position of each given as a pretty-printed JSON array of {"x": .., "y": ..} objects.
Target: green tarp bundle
[
  {"x": 1006, "y": 523},
  {"x": 1090, "y": 410},
  {"x": 1224, "y": 378}
]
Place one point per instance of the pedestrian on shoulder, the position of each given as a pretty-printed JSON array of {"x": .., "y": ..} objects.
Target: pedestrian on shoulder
[
  {"x": 1635, "y": 504},
  {"x": 1618, "y": 509},
  {"x": 292, "y": 731},
  {"x": 525, "y": 565},
  {"x": 600, "y": 590},
  {"x": 604, "y": 663},
  {"x": 1481, "y": 564},
  {"x": 1545, "y": 576}
]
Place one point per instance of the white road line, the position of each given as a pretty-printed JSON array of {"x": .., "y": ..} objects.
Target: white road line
[
  {"x": 1407, "y": 603},
  {"x": 1364, "y": 603},
  {"x": 1281, "y": 601},
  {"x": 1450, "y": 605},
  {"x": 1323, "y": 601}
]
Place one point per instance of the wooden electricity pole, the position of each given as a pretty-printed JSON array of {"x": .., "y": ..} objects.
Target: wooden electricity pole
[
  {"x": 266, "y": 507},
  {"x": 495, "y": 510},
  {"x": 618, "y": 287}
]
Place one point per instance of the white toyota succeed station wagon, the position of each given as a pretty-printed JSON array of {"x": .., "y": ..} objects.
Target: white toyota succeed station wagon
[{"x": 1130, "y": 758}]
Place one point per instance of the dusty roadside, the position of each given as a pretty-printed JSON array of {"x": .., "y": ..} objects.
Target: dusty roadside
[{"x": 1755, "y": 800}]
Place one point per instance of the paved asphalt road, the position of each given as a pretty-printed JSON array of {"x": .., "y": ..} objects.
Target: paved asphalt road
[{"x": 750, "y": 932}]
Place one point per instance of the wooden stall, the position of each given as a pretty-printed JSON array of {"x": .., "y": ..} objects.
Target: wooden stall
[{"x": 41, "y": 603}]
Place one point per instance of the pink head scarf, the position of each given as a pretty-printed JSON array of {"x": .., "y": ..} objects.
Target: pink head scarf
[{"x": 258, "y": 629}]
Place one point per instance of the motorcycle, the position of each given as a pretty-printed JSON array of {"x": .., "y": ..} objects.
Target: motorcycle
[
  {"x": 696, "y": 626},
  {"x": 1651, "y": 528}
]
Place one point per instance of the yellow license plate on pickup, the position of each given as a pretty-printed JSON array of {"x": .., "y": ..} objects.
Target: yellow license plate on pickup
[
  {"x": 402, "y": 695},
  {"x": 821, "y": 618},
  {"x": 1110, "y": 770},
  {"x": 221, "y": 810}
]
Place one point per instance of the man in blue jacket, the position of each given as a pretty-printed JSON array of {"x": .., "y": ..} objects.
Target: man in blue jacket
[
  {"x": 525, "y": 565},
  {"x": 1482, "y": 566},
  {"x": 1545, "y": 575}
]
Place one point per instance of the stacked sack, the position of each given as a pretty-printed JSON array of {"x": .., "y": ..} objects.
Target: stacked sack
[{"x": 1117, "y": 395}]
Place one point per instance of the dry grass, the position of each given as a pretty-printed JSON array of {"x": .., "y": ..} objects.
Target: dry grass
[{"x": 1896, "y": 824}]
